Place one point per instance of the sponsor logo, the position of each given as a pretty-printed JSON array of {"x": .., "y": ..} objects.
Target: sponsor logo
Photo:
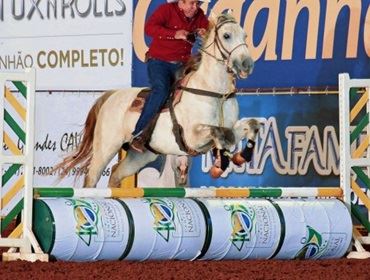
[
  {"x": 163, "y": 214},
  {"x": 242, "y": 223},
  {"x": 47, "y": 10},
  {"x": 313, "y": 245},
  {"x": 87, "y": 218}
]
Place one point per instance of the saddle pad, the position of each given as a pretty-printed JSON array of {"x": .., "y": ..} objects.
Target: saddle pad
[{"x": 138, "y": 104}]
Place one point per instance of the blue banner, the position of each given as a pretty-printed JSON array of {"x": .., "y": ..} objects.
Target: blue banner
[
  {"x": 298, "y": 144},
  {"x": 296, "y": 44}
]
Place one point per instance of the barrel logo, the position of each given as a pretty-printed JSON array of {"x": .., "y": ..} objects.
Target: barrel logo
[
  {"x": 313, "y": 245},
  {"x": 86, "y": 217},
  {"x": 242, "y": 223},
  {"x": 164, "y": 217}
]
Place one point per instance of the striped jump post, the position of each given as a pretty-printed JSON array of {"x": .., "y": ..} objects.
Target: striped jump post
[
  {"x": 354, "y": 110},
  {"x": 17, "y": 125}
]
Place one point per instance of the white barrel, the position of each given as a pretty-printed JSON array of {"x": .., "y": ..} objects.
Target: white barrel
[
  {"x": 313, "y": 230},
  {"x": 187, "y": 229},
  {"x": 340, "y": 232},
  {"x": 166, "y": 228},
  {"x": 81, "y": 230},
  {"x": 242, "y": 229}
]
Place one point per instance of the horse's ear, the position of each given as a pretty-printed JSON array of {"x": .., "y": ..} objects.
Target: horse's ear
[
  {"x": 229, "y": 12},
  {"x": 226, "y": 15}
]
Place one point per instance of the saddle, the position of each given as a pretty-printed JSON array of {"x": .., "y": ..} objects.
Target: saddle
[
  {"x": 175, "y": 97},
  {"x": 138, "y": 104}
]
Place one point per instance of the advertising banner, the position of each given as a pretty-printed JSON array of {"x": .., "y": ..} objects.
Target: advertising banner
[
  {"x": 294, "y": 43},
  {"x": 297, "y": 145},
  {"x": 60, "y": 119},
  {"x": 70, "y": 43}
]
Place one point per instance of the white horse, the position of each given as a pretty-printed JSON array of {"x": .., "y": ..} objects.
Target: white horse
[{"x": 207, "y": 115}]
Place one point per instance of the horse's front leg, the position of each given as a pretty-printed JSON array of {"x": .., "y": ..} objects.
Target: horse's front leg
[
  {"x": 221, "y": 137},
  {"x": 246, "y": 128},
  {"x": 221, "y": 162},
  {"x": 245, "y": 155}
]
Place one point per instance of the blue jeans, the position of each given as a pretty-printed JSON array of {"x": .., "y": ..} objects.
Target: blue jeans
[{"x": 161, "y": 77}]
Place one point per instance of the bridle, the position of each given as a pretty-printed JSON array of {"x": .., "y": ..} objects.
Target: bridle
[{"x": 225, "y": 53}]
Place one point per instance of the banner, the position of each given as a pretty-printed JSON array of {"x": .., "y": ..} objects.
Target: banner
[
  {"x": 70, "y": 43},
  {"x": 294, "y": 43},
  {"x": 298, "y": 144},
  {"x": 60, "y": 119}
]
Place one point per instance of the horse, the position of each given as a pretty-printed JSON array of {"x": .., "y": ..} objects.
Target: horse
[{"x": 207, "y": 95}]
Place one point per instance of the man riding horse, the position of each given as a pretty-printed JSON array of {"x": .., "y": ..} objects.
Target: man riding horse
[
  {"x": 171, "y": 27},
  {"x": 206, "y": 116}
]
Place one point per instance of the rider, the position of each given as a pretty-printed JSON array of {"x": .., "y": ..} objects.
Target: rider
[{"x": 171, "y": 26}]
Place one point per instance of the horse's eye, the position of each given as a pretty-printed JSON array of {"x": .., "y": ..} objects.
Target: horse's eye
[{"x": 227, "y": 36}]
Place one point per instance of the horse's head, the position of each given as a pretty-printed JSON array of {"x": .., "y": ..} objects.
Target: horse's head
[{"x": 228, "y": 38}]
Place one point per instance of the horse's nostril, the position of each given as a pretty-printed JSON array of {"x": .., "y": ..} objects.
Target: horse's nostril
[
  {"x": 245, "y": 64},
  {"x": 248, "y": 63}
]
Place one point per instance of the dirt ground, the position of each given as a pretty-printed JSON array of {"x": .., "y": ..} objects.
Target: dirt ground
[
  {"x": 308, "y": 269},
  {"x": 177, "y": 270},
  {"x": 162, "y": 270}
]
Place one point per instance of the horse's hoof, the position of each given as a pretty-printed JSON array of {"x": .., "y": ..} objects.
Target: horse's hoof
[
  {"x": 216, "y": 172},
  {"x": 114, "y": 183},
  {"x": 238, "y": 159}
]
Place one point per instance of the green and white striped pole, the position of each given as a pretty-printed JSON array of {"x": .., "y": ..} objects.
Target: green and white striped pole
[{"x": 229, "y": 192}]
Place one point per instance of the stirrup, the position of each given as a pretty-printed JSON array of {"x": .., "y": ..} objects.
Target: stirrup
[{"x": 138, "y": 144}]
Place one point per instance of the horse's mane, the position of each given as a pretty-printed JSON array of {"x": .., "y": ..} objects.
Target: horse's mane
[
  {"x": 195, "y": 60},
  {"x": 191, "y": 66}
]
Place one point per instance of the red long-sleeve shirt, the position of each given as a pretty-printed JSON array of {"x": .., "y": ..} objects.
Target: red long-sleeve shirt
[{"x": 162, "y": 26}]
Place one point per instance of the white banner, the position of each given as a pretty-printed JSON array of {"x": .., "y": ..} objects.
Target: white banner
[
  {"x": 60, "y": 118},
  {"x": 73, "y": 44}
]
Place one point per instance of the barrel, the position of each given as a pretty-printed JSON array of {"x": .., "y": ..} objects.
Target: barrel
[
  {"x": 187, "y": 229},
  {"x": 314, "y": 229},
  {"x": 109, "y": 229}
]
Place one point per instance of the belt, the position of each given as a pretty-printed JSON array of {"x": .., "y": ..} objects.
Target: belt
[{"x": 174, "y": 61}]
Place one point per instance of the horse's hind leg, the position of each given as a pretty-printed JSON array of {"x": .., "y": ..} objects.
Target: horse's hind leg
[
  {"x": 95, "y": 170},
  {"x": 130, "y": 165},
  {"x": 103, "y": 153}
]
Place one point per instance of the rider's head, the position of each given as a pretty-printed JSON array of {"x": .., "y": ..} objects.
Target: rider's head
[{"x": 189, "y": 7}]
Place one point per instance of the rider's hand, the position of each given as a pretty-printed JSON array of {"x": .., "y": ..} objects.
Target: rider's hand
[
  {"x": 201, "y": 32},
  {"x": 181, "y": 34}
]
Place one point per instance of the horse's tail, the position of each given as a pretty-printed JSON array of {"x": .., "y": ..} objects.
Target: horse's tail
[{"x": 82, "y": 155}]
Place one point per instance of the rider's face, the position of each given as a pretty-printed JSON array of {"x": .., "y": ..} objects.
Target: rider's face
[{"x": 189, "y": 7}]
